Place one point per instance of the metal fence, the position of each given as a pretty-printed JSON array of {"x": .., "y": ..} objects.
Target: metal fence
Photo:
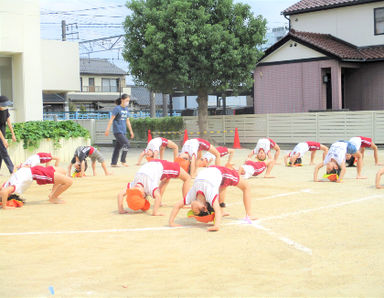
[{"x": 97, "y": 115}]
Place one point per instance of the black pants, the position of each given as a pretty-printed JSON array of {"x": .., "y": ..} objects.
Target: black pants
[
  {"x": 5, "y": 156},
  {"x": 121, "y": 143}
]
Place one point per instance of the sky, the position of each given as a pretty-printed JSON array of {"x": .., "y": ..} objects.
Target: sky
[{"x": 103, "y": 18}]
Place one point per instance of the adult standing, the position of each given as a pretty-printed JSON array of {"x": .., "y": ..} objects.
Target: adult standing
[
  {"x": 5, "y": 120},
  {"x": 120, "y": 122}
]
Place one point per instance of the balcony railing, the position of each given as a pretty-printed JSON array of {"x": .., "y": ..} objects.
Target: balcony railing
[
  {"x": 100, "y": 89},
  {"x": 98, "y": 115}
]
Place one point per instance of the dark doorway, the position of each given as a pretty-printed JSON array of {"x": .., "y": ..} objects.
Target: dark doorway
[{"x": 328, "y": 84}]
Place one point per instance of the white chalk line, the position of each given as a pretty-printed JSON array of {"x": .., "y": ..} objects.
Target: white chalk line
[
  {"x": 276, "y": 196},
  {"x": 320, "y": 208},
  {"x": 255, "y": 224}
]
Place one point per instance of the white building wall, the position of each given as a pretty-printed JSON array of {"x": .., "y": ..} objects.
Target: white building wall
[
  {"x": 20, "y": 40},
  {"x": 292, "y": 50},
  {"x": 60, "y": 66},
  {"x": 354, "y": 24}
]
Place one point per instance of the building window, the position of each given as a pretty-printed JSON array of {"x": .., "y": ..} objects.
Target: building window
[
  {"x": 6, "y": 77},
  {"x": 379, "y": 20},
  {"x": 109, "y": 85}
]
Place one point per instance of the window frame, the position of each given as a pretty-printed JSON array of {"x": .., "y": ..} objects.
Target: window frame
[{"x": 374, "y": 20}]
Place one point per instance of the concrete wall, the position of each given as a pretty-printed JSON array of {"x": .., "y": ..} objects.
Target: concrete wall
[
  {"x": 60, "y": 66},
  {"x": 354, "y": 24}
]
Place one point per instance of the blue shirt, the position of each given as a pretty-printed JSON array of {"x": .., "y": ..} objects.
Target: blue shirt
[{"x": 120, "y": 121}]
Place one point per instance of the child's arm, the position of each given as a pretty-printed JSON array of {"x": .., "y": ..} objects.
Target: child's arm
[
  {"x": 130, "y": 128},
  {"x": 4, "y": 140},
  {"x": 216, "y": 153},
  {"x": 342, "y": 172},
  {"x": 57, "y": 160},
  {"x": 156, "y": 154},
  {"x": 140, "y": 158},
  {"x": 172, "y": 145},
  {"x": 193, "y": 166},
  {"x": 378, "y": 176},
  {"x": 120, "y": 201},
  {"x": 251, "y": 154},
  {"x": 317, "y": 168},
  {"x": 277, "y": 149},
  {"x": 106, "y": 133},
  {"x": 270, "y": 165},
  {"x": 4, "y": 193},
  {"x": 11, "y": 129},
  {"x": 216, "y": 226},
  {"x": 231, "y": 152},
  {"x": 174, "y": 212},
  {"x": 157, "y": 203},
  {"x": 82, "y": 166}
]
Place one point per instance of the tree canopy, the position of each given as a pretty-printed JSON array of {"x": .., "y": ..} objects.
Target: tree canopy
[{"x": 192, "y": 45}]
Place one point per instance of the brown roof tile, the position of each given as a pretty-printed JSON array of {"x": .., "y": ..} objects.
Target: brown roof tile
[{"x": 313, "y": 5}]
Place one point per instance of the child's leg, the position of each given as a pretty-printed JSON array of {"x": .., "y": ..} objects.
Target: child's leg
[
  {"x": 104, "y": 166},
  {"x": 222, "y": 192},
  {"x": 362, "y": 150},
  {"x": 231, "y": 152},
  {"x": 313, "y": 154},
  {"x": 62, "y": 183},
  {"x": 375, "y": 153},
  {"x": 325, "y": 150},
  {"x": 163, "y": 186},
  {"x": 378, "y": 176},
  {"x": 277, "y": 153},
  {"x": 359, "y": 165},
  {"x": 94, "y": 167},
  {"x": 174, "y": 147},
  {"x": 213, "y": 150}
]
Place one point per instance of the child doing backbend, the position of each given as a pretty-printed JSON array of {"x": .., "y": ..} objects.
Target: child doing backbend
[
  {"x": 40, "y": 158},
  {"x": 151, "y": 180},
  {"x": 295, "y": 156},
  {"x": 208, "y": 157},
  {"x": 157, "y": 146},
  {"x": 255, "y": 168},
  {"x": 191, "y": 152},
  {"x": 208, "y": 191},
  {"x": 361, "y": 143},
  {"x": 263, "y": 149},
  {"x": 78, "y": 160},
  {"x": 335, "y": 160},
  {"x": 22, "y": 179}
]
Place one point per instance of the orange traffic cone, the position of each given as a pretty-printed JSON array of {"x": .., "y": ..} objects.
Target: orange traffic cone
[
  {"x": 149, "y": 135},
  {"x": 185, "y": 136},
  {"x": 236, "y": 140}
]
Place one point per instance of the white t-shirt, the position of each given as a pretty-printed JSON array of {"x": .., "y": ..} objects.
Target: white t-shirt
[
  {"x": 32, "y": 161},
  {"x": 208, "y": 182},
  {"x": 264, "y": 144},
  {"x": 209, "y": 156},
  {"x": 21, "y": 180},
  {"x": 356, "y": 141},
  {"x": 154, "y": 145},
  {"x": 191, "y": 147},
  {"x": 148, "y": 176},
  {"x": 300, "y": 148},
  {"x": 337, "y": 152}
]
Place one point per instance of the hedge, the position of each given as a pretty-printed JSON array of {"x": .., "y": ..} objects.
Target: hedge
[
  {"x": 32, "y": 132},
  {"x": 140, "y": 126}
]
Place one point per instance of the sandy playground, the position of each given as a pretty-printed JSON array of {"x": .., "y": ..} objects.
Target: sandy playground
[{"x": 311, "y": 239}]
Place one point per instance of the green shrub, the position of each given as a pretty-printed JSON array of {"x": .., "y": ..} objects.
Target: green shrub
[
  {"x": 140, "y": 126},
  {"x": 32, "y": 132}
]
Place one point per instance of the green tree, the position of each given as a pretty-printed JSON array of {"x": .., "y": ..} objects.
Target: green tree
[{"x": 194, "y": 45}]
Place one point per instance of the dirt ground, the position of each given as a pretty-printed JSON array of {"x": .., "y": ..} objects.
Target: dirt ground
[{"x": 311, "y": 239}]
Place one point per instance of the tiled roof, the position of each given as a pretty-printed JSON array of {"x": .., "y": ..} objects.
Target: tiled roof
[
  {"x": 313, "y": 5},
  {"x": 331, "y": 46},
  {"x": 338, "y": 47},
  {"x": 99, "y": 66}
]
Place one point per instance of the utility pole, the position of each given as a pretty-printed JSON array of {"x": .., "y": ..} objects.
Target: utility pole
[{"x": 63, "y": 31}]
